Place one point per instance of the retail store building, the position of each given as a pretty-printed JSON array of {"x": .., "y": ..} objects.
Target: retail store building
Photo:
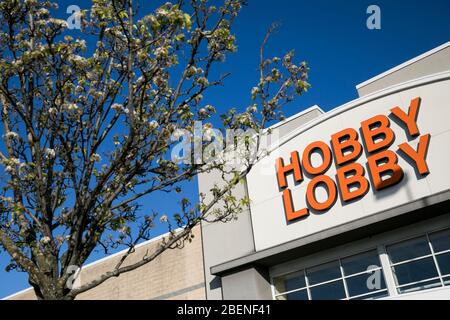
[
  {"x": 363, "y": 187},
  {"x": 349, "y": 204}
]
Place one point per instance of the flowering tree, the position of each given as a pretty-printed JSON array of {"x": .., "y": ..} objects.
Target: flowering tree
[{"x": 89, "y": 123}]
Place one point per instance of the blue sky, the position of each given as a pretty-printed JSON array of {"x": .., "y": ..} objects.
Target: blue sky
[{"x": 331, "y": 35}]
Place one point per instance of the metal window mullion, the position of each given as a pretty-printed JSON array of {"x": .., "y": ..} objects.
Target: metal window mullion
[
  {"x": 368, "y": 293},
  {"x": 325, "y": 282},
  {"x": 435, "y": 261},
  {"x": 442, "y": 252},
  {"x": 387, "y": 270},
  {"x": 307, "y": 284},
  {"x": 347, "y": 295},
  {"x": 411, "y": 260},
  {"x": 272, "y": 287},
  {"x": 291, "y": 291},
  {"x": 417, "y": 282},
  {"x": 362, "y": 273}
]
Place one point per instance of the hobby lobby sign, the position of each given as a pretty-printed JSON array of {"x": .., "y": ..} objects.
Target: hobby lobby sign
[{"x": 352, "y": 181}]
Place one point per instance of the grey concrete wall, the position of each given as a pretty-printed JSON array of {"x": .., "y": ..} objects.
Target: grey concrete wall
[
  {"x": 224, "y": 242},
  {"x": 249, "y": 284}
]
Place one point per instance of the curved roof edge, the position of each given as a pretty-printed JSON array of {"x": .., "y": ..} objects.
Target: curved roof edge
[
  {"x": 360, "y": 101},
  {"x": 403, "y": 65}
]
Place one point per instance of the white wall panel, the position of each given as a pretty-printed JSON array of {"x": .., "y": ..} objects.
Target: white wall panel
[{"x": 268, "y": 217}]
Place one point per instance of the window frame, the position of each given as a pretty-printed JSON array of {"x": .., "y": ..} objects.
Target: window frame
[
  {"x": 431, "y": 255},
  {"x": 342, "y": 278},
  {"x": 378, "y": 243}
]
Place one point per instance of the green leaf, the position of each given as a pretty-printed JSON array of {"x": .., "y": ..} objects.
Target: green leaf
[{"x": 187, "y": 21}]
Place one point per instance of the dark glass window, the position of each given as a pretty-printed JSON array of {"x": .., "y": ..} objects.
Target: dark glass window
[
  {"x": 324, "y": 272},
  {"x": 415, "y": 271},
  {"x": 360, "y": 263},
  {"x": 416, "y": 264},
  {"x": 297, "y": 295},
  {"x": 408, "y": 250},
  {"x": 329, "y": 291},
  {"x": 440, "y": 240},
  {"x": 290, "y": 282},
  {"x": 413, "y": 268},
  {"x": 365, "y": 283},
  {"x": 443, "y": 261},
  {"x": 373, "y": 296}
]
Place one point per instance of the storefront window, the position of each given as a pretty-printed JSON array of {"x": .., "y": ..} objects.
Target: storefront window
[
  {"x": 417, "y": 264},
  {"x": 413, "y": 265},
  {"x": 421, "y": 263},
  {"x": 364, "y": 275},
  {"x": 440, "y": 242},
  {"x": 355, "y": 277},
  {"x": 324, "y": 272}
]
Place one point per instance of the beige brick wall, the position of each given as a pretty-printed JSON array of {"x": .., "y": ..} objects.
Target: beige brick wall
[{"x": 175, "y": 274}]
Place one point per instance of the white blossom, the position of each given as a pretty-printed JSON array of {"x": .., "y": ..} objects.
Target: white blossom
[
  {"x": 252, "y": 108},
  {"x": 9, "y": 169},
  {"x": 7, "y": 199},
  {"x": 72, "y": 107},
  {"x": 42, "y": 12},
  {"x": 162, "y": 12},
  {"x": 191, "y": 71},
  {"x": 49, "y": 153},
  {"x": 161, "y": 52},
  {"x": 255, "y": 91},
  {"x": 60, "y": 22},
  {"x": 125, "y": 230},
  {"x": 203, "y": 81},
  {"x": 60, "y": 239},
  {"x": 117, "y": 107},
  {"x": 81, "y": 43},
  {"x": 78, "y": 59},
  {"x": 210, "y": 108},
  {"x": 120, "y": 108},
  {"x": 45, "y": 240},
  {"x": 163, "y": 219},
  {"x": 96, "y": 157},
  {"x": 12, "y": 135},
  {"x": 153, "y": 124}
]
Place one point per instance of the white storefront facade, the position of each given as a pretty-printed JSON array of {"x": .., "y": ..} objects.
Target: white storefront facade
[{"x": 349, "y": 204}]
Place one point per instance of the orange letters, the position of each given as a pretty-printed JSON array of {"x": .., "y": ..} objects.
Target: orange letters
[
  {"x": 283, "y": 170},
  {"x": 357, "y": 178},
  {"x": 291, "y": 214},
  {"x": 418, "y": 156},
  {"x": 332, "y": 193},
  {"x": 340, "y": 146},
  {"x": 410, "y": 118},
  {"x": 382, "y": 163},
  {"x": 351, "y": 181},
  {"x": 375, "y": 127},
  {"x": 326, "y": 154}
]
